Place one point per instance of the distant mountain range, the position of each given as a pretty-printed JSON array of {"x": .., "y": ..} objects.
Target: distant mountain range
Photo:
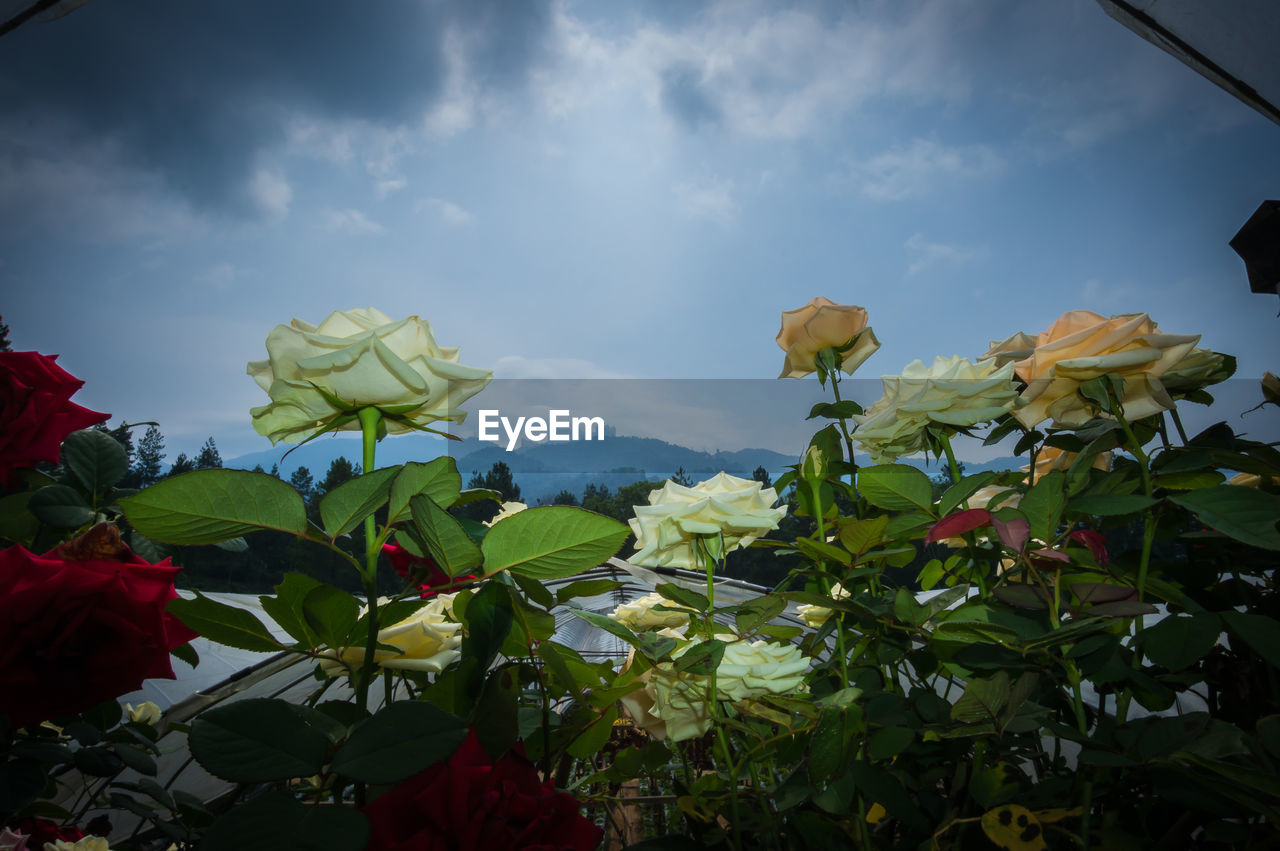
[{"x": 542, "y": 470}]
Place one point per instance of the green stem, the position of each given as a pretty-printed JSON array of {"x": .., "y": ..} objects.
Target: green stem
[
  {"x": 369, "y": 419},
  {"x": 844, "y": 428}
]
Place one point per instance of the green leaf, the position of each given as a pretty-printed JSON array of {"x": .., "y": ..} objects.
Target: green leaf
[
  {"x": 95, "y": 459},
  {"x": 1180, "y": 641},
  {"x": 552, "y": 541},
  {"x": 60, "y": 506},
  {"x": 277, "y": 820},
  {"x": 229, "y": 625},
  {"x": 256, "y": 741},
  {"x": 399, "y": 741},
  {"x": 207, "y": 506},
  {"x": 285, "y": 608},
  {"x": 758, "y": 611},
  {"x": 982, "y": 699},
  {"x": 446, "y": 540},
  {"x": 331, "y": 613},
  {"x": 896, "y": 487},
  {"x": 343, "y": 508},
  {"x": 1258, "y": 631},
  {"x": 586, "y": 588},
  {"x": 488, "y": 620},
  {"x": 684, "y": 596},
  {"x": 1111, "y": 504},
  {"x": 1042, "y": 505},
  {"x": 1189, "y": 480},
  {"x": 858, "y": 536},
  {"x": 701, "y": 659},
  {"x": 962, "y": 490},
  {"x": 1246, "y": 514},
  {"x": 438, "y": 479}
]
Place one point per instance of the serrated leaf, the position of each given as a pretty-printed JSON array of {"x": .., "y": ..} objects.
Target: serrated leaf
[
  {"x": 550, "y": 542},
  {"x": 1111, "y": 504},
  {"x": 586, "y": 588},
  {"x": 438, "y": 479},
  {"x": 445, "y": 539},
  {"x": 702, "y": 658},
  {"x": 60, "y": 506},
  {"x": 962, "y": 490},
  {"x": 1180, "y": 641},
  {"x": 343, "y": 508},
  {"x": 256, "y": 741},
  {"x": 207, "y": 506},
  {"x": 1258, "y": 631},
  {"x": 896, "y": 487},
  {"x": 229, "y": 625},
  {"x": 331, "y": 613},
  {"x": 1042, "y": 505},
  {"x": 858, "y": 536},
  {"x": 684, "y": 596},
  {"x": 1246, "y": 514},
  {"x": 285, "y": 608},
  {"x": 402, "y": 739},
  {"x": 95, "y": 459}
]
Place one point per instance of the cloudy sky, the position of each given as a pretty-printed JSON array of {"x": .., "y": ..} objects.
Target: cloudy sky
[{"x": 574, "y": 189}]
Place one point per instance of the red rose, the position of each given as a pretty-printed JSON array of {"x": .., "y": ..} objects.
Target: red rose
[
  {"x": 36, "y": 412},
  {"x": 83, "y": 623},
  {"x": 42, "y": 830},
  {"x": 472, "y": 803},
  {"x": 429, "y": 575}
]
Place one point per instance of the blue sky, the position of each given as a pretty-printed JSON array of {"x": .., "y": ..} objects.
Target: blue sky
[{"x": 575, "y": 189}]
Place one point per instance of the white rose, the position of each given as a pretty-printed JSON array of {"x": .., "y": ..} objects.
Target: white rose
[
  {"x": 816, "y": 616},
  {"x": 640, "y": 614},
  {"x": 428, "y": 640},
  {"x": 316, "y": 375},
  {"x": 951, "y": 392},
  {"x": 739, "y": 509},
  {"x": 88, "y": 843},
  {"x": 147, "y": 713},
  {"x": 754, "y": 669}
]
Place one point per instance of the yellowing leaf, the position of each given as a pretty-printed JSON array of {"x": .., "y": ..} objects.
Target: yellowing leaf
[
  {"x": 1014, "y": 828},
  {"x": 875, "y": 814}
]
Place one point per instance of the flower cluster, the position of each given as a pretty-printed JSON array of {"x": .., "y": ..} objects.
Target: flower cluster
[
  {"x": 318, "y": 376},
  {"x": 726, "y": 508},
  {"x": 474, "y": 802}
]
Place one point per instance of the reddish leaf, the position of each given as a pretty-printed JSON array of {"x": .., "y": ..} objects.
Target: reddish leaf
[
  {"x": 958, "y": 524},
  {"x": 1121, "y": 609},
  {"x": 1096, "y": 543},
  {"x": 1023, "y": 596},
  {"x": 1014, "y": 533},
  {"x": 1045, "y": 558},
  {"x": 1102, "y": 592}
]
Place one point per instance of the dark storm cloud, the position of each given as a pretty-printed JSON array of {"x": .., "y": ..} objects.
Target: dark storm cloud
[
  {"x": 195, "y": 91},
  {"x": 685, "y": 99}
]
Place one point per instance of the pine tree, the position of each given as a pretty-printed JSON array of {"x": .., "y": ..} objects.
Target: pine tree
[
  {"x": 208, "y": 459},
  {"x": 565, "y": 497},
  {"x": 147, "y": 465},
  {"x": 275, "y": 470},
  {"x": 303, "y": 483},
  {"x": 4, "y": 337},
  {"x": 680, "y": 477},
  {"x": 181, "y": 464},
  {"x": 761, "y": 475},
  {"x": 340, "y": 470}
]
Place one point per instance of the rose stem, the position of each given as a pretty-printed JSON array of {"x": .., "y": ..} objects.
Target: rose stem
[{"x": 369, "y": 419}]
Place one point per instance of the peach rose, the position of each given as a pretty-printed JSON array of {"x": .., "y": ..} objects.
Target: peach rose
[
  {"x": 1051, "y": 458},
  {"x": 822, "y": 324},
  {"x": 1083, "y": 345}
]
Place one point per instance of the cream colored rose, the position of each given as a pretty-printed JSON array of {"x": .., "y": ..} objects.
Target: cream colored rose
[
  {"x": 992, "y": 497},
  {"x": 1010, "y": 349},
  {"x": 753, "y": 669},
  {"x": 1050, "y": 458},
  {"x": 822, "y": 324},
  {"x": 816, "y": 616},
  {"x": 1270, "y": 389},
  {"x": 1199, "y": 369},
  {"x": 507, "y": 509},
  {"x": 147, "y": 713},
  {"x": 1083, "y": 345},
  {"x": 1246, "y": 480},
  {"x": 739, "y": 509},
  {"x": 951, "y": 392},
  {"x": 428, "y": 640},
  {"x": 356, "y": 359},
  {"x": 88, "y": 843},
  {"x": 640, "y": 614}
]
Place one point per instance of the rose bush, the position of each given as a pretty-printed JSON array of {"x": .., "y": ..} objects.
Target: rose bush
[
  {"x": 1083, "y": 345},
  {"x": 822, "y": 324},
  {"x": 951, "y": 393},
  {"x": 83, "y": 623},
  {"x": 428, "y": 640},
  {"x": 318, "y": 376},
  {"x": 475, "y": 803},
  {"x": 36, "y": 411},
  {"x": 740, "y": 510}
]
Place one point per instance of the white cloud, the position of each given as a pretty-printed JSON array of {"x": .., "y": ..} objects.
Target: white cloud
[
  {"x": 925, "y": 254},
  {"x": 221, "y": 276},
  {"x": 711, "y": 200},
  {"x": 351, "y": 221},
  {"x": 446, "y": 210},
  {"x": 270, "y": 193},
  {"x": 383, "y": 188},
  {"x": 906, "y": 171}
]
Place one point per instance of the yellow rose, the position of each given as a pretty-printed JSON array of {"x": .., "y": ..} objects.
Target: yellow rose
[
  {"x": 147, "y": 713},
  {"x": 427, "y": 641},
  {"x": 738, "y": 509},
  {"x": 816, "y": 616},
  {"x": 88, "y": 843},
  {"x": 1083, "y": 345},
  {"x": 640, "y": 614},
  {"x": 1051, "y": 458},
  {"x": 507, "y": 509},
  {"x": 356, "y": 359},
  {"x": 951, "y": 392},
  {"x": 823, "y": 324}
]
